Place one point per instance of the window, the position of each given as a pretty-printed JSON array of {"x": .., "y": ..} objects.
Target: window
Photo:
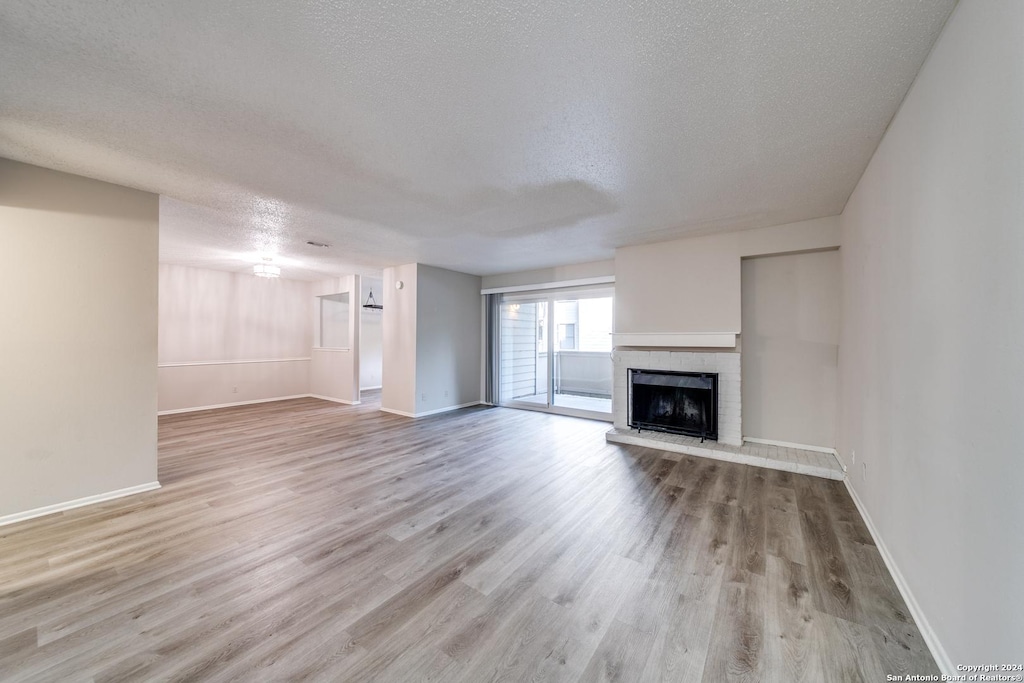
[
  {"x": 334, "y": 321},
  {"x": 567, "y": 336}
]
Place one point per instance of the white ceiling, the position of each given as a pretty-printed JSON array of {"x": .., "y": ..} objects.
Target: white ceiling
[{"x": 481, "y": 136}]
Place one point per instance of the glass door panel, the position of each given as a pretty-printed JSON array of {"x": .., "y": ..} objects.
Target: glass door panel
[
  {"x": 582, "y": 347},
  {"x": 524, "y": 352}
]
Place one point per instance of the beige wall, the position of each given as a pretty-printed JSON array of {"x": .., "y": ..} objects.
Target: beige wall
[
  {"x": 231, "y": 337},
  {"x": 692, "y": 285},
  {"x": 398, "y": 334},
  {"x": 791, "y": 347},
  {"x": 78, "y": 352},
  {"x": 931, "y": 361},
  {"x": 689, "y": 286}
]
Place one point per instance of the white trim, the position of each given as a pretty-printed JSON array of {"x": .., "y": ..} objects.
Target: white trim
[
  {"x": 396, "y": 412},
  {"x": 675, "y": 340},
  {"x": 431, "y": 412},
  {"x": 230, "y": 362},
  {"x": 77, "y": 503},
  {"x": 371, "y": 388},
  {"x": 175, "y": 411},
  {"x": 579, "y": 282},
  {"x": 335, "y": 400},
  {"x": 930, "y": 637},
  {"x": 839, "y": 459},
  {"x": 332, "y": 349}
]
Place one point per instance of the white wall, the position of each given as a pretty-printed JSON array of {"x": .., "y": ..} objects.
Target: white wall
[
  {"x": 791, "y": 347},
  {"x": 78, "y": 351},
  {"x": 398, "y": 332},
  {"x": 448, "y": 350},
  {"x": 231, "y": 337},
  {"x": 334, "y": 372},
  {"x": 371, "y": 341},
  {"x": 931, "y": 361}
]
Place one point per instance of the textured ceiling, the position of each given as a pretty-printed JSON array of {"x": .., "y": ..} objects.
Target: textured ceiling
[{"x": 481, "y": 136}]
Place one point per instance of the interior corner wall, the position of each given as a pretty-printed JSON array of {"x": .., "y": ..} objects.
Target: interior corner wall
[
  {"x": 231, "y": 338},
  {"x": 791, "y": 347},
  {"x": 78, "y": 352},
  {"x": 448, "y": 350},
  {"x": 931, "y": 360},
  {"x": 398, "y": 336}
]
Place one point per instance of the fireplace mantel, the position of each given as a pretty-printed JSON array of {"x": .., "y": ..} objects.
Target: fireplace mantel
[{"x": 724, "y": 340}]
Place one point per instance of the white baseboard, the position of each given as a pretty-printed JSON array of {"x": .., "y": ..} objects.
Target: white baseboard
[
  {"x": 334, "y": 400},
  {"x": 232, "y": 405},
  {"x": 930, "y": 638},
  {"x": 231, "y": 362},
  {"x": 431, "y": 412},
  {"x": 397, "y": 412},
  {"x": 371, "y": 388},
  {"x": 77, "y": 503}
]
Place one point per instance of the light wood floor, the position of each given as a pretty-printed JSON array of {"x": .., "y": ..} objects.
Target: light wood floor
[{"x": 306, "y": 540}]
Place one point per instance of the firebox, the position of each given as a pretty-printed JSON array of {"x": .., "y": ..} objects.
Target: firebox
[{"x": 676, "y": 402}]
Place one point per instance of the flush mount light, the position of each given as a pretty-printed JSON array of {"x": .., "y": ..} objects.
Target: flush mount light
[{"x": 266, "y": 270}]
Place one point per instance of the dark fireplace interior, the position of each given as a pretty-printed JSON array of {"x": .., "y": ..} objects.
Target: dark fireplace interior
[{"x": 676, "y": 402}]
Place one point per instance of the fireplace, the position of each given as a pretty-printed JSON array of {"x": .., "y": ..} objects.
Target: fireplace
[{"x": 676, "y": 402}]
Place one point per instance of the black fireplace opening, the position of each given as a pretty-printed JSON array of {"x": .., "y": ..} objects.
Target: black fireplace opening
[{"x": 676, "y": 402}]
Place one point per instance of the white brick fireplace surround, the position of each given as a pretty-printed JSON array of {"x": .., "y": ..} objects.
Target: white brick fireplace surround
[
  {"x": 725, "y": 363},
  {"x": 730, "y": 446}
]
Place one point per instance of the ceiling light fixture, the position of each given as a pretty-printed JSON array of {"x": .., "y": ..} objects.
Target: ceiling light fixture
[
  {"x": 372, "y": 303},
  {"x": 266, "y": 270}
]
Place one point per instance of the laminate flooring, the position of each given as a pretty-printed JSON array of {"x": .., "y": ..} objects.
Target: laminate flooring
[{"x": 306, "y": 540}]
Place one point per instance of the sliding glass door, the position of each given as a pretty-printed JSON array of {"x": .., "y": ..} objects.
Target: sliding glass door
[
  {"x": 555, "y": 352},
  {"x": 583, "y": 354},
  {"x": 524, "y": 353}
]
